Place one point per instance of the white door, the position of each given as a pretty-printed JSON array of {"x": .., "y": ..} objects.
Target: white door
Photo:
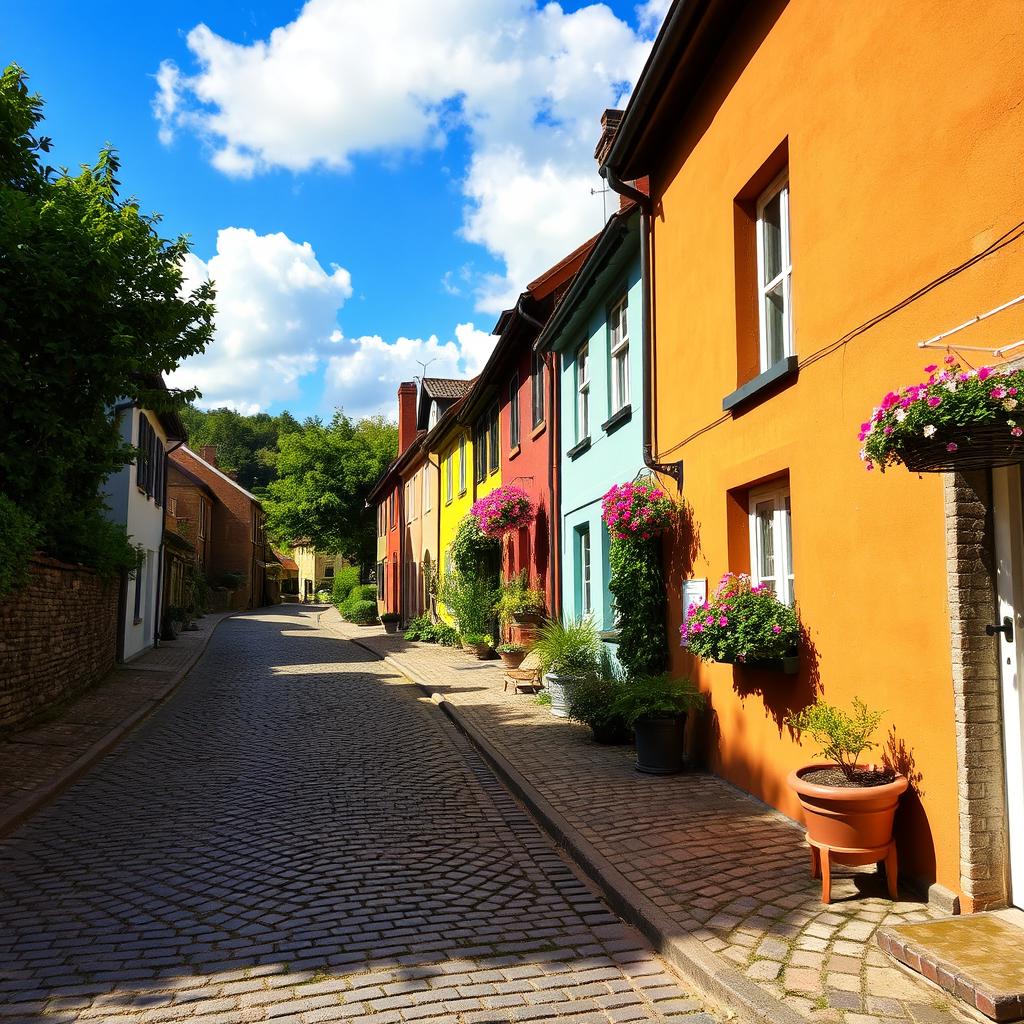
[{"x": 1009, "y": 534}]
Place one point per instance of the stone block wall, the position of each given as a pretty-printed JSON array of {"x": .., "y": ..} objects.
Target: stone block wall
[{"x": 58, "y": 635}]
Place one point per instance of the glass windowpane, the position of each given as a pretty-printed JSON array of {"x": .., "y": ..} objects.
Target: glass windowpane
[{"x": 771, "y": 235}]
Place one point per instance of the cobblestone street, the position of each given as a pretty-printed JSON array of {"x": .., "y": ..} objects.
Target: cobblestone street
[{"x": 298, "y": 839}]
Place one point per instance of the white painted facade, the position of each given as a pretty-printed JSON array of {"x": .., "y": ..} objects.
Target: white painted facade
[{"x": 143, "y": 516}]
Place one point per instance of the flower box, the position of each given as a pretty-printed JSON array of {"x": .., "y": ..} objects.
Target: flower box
[
  {"x": 788, "y": 664},
  {"x": 955, "y": 420}
]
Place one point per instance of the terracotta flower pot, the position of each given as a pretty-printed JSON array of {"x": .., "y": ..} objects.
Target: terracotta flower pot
[
  {"x": 512, "y": 659},
  {"x": 848, "y": 825}
]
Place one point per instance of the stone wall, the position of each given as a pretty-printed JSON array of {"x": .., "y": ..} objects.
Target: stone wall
[
  {"x": 970, "y": 564},
  {"x": 58, "y": 635}
]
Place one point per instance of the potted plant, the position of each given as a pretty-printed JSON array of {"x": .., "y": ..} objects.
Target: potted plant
[
  {"x": 743, "y": 624},
  {"x": 390, "y": 621},
  {"x": 512, "y": 654},
  {"x": 520, "y": 608},
  {"x": 504, "y": 510},
  {"x": 594, "y": 701},
  {"x": 638, "y": 509},
  {"x": 173, "y": 623},
  {"x": 955, "y": 419},
  {"x": 478, "y": 644},
  {"x": 657, "y": 707},
  {"x": 567, "y": 653},
  {"x": 848, "y": 806}
]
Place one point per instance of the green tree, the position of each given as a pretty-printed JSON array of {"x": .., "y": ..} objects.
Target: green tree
[
  {"x": 324, "y": 475},
  {"x": 91, "y": 312}
]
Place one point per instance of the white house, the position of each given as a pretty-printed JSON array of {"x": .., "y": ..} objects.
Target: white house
[{"x": 136, "y": 496}]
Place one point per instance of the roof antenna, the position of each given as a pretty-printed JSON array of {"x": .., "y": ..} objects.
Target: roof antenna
[
  {"x": 604, "y": 203},
  {"x": 425, "y": 365}
]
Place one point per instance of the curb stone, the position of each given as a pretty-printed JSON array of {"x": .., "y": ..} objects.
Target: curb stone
[
  {"x": 25, "y": 807},
  {"x": 707, "y": 972}
]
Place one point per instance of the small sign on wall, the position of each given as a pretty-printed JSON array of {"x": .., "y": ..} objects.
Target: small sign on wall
[{"x": 694, "y": 592}]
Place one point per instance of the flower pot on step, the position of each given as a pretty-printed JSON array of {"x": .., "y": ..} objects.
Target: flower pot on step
[{"x": 659, "y": 744}]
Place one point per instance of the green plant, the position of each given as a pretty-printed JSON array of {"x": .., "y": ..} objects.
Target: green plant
[
  {"x": 362, "y": 613},
  {"x": 570, "y": 649},
  {"x": 512, "y": 649},
  {"x": 657, "y": 697},
  {"x": 391, "y": 617},
  {"x": 477, "y": 640},
  {"x": 469, "y": 599},
  {"x": 741, "y": 622},
  {"x": 517, "y": 597},
  {"x": 175, "y": 613},
  {"x": 842, "y": 736},
  {"x": 637, "y": 587},
  {"x": 346, "y": 580},
  {"x": 543, "y": 699},
  {"x": 472, "y": 552},
  {"x": 420, "y": 628},
  {"x": 594, "y": 701},
  {"x": 18, "y": 534},
  {"x": 446, "y": 636}
]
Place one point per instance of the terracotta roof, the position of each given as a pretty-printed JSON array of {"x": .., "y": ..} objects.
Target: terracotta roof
[{"x": 445, "y": 387}]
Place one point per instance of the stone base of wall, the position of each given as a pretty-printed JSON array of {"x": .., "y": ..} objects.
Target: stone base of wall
[{"x": 58, "y": 635}]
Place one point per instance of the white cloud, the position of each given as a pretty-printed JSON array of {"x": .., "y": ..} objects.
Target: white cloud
[
  {"x": 276, "y": 319},
  {"x": 651, "y": 14},
  {"x": 363, "y": 378},
  {"x": 349, "y": 77}
]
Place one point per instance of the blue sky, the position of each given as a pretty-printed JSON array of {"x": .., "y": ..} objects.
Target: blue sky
[{"x": 368, "y": 181}]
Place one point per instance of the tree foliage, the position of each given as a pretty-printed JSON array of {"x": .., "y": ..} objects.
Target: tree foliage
[
  {"x": 91, "y": 312},
  {"x": 324, "y": 474},
  {"x": 246, "y": 445}
]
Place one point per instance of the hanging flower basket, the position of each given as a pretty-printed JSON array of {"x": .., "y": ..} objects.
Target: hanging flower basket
[
  {"x": 505, "y": 510},
  {"x": 639, "y": 509},
  {"x": 955, "y": 420},
  {"x": 742, "y": 624}
]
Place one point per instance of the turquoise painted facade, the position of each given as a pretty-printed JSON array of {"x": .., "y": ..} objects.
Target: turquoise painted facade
[{"x": 609, "y": 448}]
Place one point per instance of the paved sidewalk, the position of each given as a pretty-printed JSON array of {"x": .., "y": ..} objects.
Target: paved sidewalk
[
  {"x": 719, "y": 878},
  {"x": 39, "y": 760}
]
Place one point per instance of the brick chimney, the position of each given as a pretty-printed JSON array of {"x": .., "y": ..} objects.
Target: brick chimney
[
  {"x": 209, "y": 454},
  {"x": 406, "y": 415},
  {"x": 610, "y": 121}
]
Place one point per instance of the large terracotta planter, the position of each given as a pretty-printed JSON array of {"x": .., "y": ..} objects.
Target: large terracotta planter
[{"x": 848, "y": 825}]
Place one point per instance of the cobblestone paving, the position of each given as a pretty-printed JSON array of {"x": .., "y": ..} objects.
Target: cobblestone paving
[
  {"x": 727, "y": 869},
  {"x": 297, "y": 836}
]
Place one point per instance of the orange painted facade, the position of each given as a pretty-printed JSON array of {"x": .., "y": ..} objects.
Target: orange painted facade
[{"x": 903, "y": 132}]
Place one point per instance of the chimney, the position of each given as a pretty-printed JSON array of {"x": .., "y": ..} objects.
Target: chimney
[
  {"x": 406, "y": 415},
  {"x": 209, "y": 454},
  {"x": 610, "y": 121}
]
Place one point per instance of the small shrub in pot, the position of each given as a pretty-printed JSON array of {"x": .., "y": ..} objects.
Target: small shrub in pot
[
  {"x": 657, "y": 707},
  {"x": 594, "y": 701},
  {"x": 512, "y": 654},
  {"x": 567, "y": 653},
  {"x": 390, "y": 621},
  {"x": 478, "y": 644}
]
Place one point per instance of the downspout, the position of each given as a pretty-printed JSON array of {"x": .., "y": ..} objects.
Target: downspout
[
  {"x": 160, "y": 554},
  {"x": 670, "y": 469}
]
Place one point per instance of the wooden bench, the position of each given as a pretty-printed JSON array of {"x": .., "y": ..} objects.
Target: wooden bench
[{"x": 526, "y": 677}]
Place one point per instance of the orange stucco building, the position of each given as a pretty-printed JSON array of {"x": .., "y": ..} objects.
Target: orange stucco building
[{"x": 828, "y": 187}]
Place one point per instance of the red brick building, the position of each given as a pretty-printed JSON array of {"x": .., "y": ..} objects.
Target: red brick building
[{"x": 235, "y": 540}]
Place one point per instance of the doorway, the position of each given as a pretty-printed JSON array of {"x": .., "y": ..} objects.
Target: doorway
[{"x": 1008, "y": 506}]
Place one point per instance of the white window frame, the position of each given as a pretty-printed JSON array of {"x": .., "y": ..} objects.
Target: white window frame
[
  {"x": 779, "y": 187},
  {"x": 586, "y": 570},
  {"x": 583, "y": 392},
  {"x": 448, "y": 476},
  {"x": 462, "y": 464},
  {"x": 426, "y": 487},
  {"x": 618, "y": 348},
  {"x": 782, "y": 539}
]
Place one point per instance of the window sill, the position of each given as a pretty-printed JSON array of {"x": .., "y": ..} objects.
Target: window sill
[
  {"x": 624, "y": 415},
  {"x": 578, "y": 449},
  {"x": 513, "y": 452},
  {"x": 784, "y": 372},
  {"x": 538, "y": 430}
]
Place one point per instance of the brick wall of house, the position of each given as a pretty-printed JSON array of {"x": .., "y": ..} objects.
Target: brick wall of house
[{"x": 58, "y": 635}]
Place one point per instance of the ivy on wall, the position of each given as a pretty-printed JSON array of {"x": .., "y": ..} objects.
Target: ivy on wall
[{"x": 638, "y": 593}]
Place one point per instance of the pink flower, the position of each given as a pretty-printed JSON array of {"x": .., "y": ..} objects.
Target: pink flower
[
  {"x": 984, "y": 373},
  {"x": 869, "y": 466},
  {"x": 935, "y": 401},
  {"x": 931, "y": 368},
  {"x": 723, "y": 621},
  {"x": 997, "y": 393},
  {"x": 1016, "y": 432},
  {"x": 949, "y": 360},
  {"x": 1011, "y": 392},
  {"x": 776, "y": 629},
  {"x": 951, "y": 447}
]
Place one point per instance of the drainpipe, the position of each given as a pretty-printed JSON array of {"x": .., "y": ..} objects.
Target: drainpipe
[
  {"x": 671, "y": 469},
  {"x": 160, "y": 551}
]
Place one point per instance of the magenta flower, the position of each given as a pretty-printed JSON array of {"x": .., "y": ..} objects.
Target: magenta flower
[
  {"x": 1016, "y": 432},
  {"x": 951, "y": 447},
  {"x": 723, "y": 621},
  {"x": 931, "y": 368},
  {"x": 997, "y": 393},
  {"x": 776, "y": 629},
  {"x": 935, "y": 401},
  {"x": 949, "y": 360},
  {"x": 984, "y": 373}
]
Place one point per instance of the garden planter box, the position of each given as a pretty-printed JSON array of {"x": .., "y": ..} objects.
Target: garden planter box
[
  {"x": 659, "y": 744},
  {"x": 848, "y": 825},
  {"x": 790, "y": 665}
]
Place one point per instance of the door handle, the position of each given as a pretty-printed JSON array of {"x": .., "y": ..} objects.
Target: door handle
[{"x": 1006, "y": 628}]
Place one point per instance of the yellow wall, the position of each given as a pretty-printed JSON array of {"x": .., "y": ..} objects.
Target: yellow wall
[{"x": 905, "y": 133}]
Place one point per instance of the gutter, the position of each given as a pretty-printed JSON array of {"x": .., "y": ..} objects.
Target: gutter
[{"x": 669, "y": 469}]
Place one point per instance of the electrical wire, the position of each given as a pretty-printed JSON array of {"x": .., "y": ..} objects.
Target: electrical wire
[{"x": 1008, "y": 238}]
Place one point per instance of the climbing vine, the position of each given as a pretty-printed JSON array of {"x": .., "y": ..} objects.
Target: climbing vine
[{"x": 638, "y": 593}]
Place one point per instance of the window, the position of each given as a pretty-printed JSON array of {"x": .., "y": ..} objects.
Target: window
[
  {"x": 492, "y": 427},
  {"x": 513, "y": 412},
  {"x": 426, "y": 487},
  {"x": 771, "y": 540},
  {"x": 448, "y": 472},
  {"x": 480, "y": 451},
  {"x": 150, "y": 461},
  {"x": 619, "y": 341},
  {"x": 462, "y": 464},
  {"x": 537, "y": 388},
  {"x": 586, "y": 602},
  {"x": 329, "y": 572},
  {"x": 774, "y": 272},
  {"x": 583, "y": 392}
]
